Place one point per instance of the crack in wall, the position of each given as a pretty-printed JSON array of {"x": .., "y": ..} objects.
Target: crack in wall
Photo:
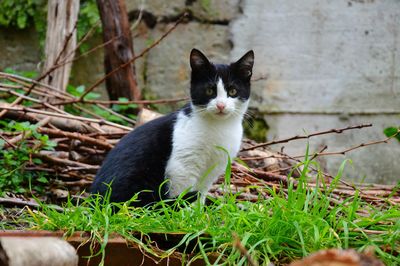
[{"x": 152, "y": 20}]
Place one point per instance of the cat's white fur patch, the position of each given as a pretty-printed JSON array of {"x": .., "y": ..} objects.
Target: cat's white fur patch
[
  {"x": 222, "y": 97},
  {"x": 196, "y": 161},
  {"x": 221, "y": 92}
]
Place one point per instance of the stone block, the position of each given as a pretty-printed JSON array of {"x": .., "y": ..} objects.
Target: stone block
[
  {"x": 166, "y": 66},
  {"x": 203, "y": 10},
  {"x": 215, "y": 10},
  {"x": 158, "y": 8}
]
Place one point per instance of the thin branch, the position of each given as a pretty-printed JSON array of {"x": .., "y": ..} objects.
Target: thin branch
[
  {"x": 88, "y": 52},
  {"x": 343, "y": 152},
  {"x": 127, "y": 119},
  {"x": 6, "y": 140},
  {"x": 85, "y": 37},
  {"x": 134, "y": 58},
  {"x": 27, "y": 110},
  {"x": 66, "y": 162},
  {"x": 66, "y": 41},
  {"x": 44, "y": 75},
  {"x": 134, "y": 25},
  {"x": 335, "y": 130},
  {"x": 316, "y": 154},
  {"x": 144, "y": 102},
  {"x": 74, "y": 135},
  {"x": 24, "y": 81},
  {"x": 22, "y": 203},
  {"x": 24, "y": 97}
]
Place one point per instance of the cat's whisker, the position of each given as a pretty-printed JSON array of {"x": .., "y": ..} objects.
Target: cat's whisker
[
  {"x": 199, "y": 111},
  {"x": 249, "y": 114},
  {"x": 249, "y": 121}
]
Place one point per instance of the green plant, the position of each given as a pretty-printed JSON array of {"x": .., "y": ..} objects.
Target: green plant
[
  {"x": 14, "y": 159},
  {"x": 295, "y": 221},
  {"x": 21, "y": 13},
  {"x": 27, "y": 74},
  {"x": 123, "y": 109},
  {"x": 256, "y": 128},
  {"x": 88, "y": 17},
  {"x": 25, "y": 13},
  {"x": 393, "y": 132},
  {"x": 10, "y": 98}
]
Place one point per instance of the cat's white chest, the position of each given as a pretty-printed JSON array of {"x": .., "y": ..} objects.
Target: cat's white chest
[{"x": 199, "y": 149}]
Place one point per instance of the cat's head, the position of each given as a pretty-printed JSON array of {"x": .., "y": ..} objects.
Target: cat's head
[{"x": 217, "y": 90}]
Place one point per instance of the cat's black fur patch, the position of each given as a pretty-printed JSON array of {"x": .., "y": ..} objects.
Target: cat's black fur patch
[
  {"x": 138, "y": 163},
  {"x": 205, "y": 75},
  {"x": 187, "y": 109}
]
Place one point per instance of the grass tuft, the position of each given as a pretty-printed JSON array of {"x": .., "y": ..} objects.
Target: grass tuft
[{"x": 294, "y": 222}]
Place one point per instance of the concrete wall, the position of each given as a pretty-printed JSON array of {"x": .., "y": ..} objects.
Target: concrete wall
[{"x": 327, "y": 64}]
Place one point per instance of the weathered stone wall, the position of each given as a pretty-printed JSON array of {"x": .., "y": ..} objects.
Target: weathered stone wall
[
  {"x": 165, "y": 71},
  {"x": 327, "y": 64}
]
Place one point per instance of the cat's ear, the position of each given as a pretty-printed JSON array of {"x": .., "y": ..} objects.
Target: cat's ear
[
  {"x": 245, "y": 64},
  {"x": 198, "y": 60}
]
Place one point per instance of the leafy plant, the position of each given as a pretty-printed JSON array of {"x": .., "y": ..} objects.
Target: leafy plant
[
  {"x": 88, "y": 17},
  {"x": 26, "y": 74},
  {"x": 14, "y": 159},
  {"x": 123, "y": 109},
  {"x": 392, "y": 132},
  {"x": 23, "y": 13}
]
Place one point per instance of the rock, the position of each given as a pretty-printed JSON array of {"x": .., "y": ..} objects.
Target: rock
[
  {"x": 166, "y": 67},
  {"x": 36, "y": 251},
  {"x": 221, "y": 11},
  {"x": 146, "y": 115},
  {"x": 158, "y": 8}
]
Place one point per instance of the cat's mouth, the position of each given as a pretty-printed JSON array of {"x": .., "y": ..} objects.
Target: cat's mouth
[{"x": 221, "y": 113}]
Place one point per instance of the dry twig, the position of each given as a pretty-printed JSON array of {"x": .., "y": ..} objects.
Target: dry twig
[
  {"x": 97, "y": 83},
  {"x": 335, "y": 130}
]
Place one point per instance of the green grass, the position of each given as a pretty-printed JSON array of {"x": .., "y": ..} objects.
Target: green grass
[{"x": 289, "y": 225}]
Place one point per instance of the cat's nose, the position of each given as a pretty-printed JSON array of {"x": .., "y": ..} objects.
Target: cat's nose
[{"x": 220, "y": 106}]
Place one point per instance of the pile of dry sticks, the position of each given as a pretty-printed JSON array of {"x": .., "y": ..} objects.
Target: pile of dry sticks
[{"x": 83, "y": 141}]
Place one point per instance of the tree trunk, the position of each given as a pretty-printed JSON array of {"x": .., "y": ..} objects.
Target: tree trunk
[
  {"x": 114, "y": 18},
  {"x": 60, "y": 41}
]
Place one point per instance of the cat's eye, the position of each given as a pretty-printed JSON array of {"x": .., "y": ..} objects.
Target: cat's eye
[
  {"x": 232, "y": 92},
  {"x": 210, "y": 91}
]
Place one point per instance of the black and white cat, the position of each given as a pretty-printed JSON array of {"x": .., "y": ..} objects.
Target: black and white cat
[{"x": 183, "y": 146}]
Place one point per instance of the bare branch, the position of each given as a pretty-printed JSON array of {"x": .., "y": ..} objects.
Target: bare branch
[
  {"x": 335, "y": 130},
  {"x": 135, "y": 58}
]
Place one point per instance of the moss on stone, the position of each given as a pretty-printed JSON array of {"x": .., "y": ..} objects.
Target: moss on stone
[{"x": 256, "y": 128}]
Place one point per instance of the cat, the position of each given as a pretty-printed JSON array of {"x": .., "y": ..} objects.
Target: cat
[{"x": 185, "y": 150}]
